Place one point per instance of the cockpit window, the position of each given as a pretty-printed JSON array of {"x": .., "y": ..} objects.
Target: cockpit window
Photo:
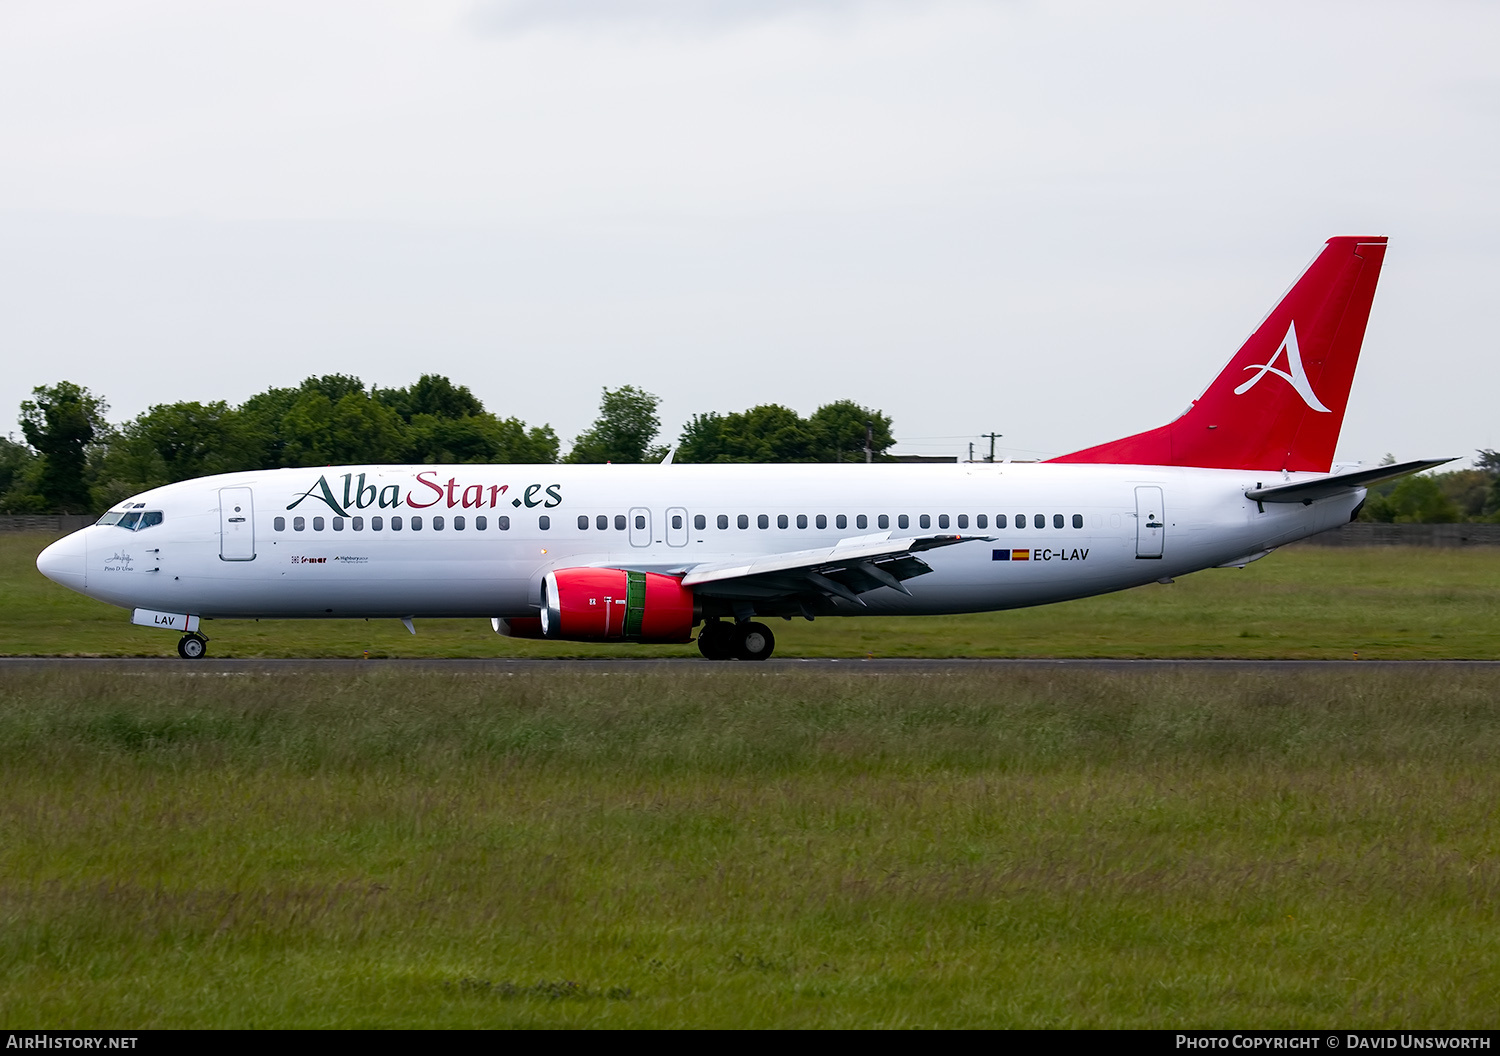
[{"x": 133, "y": 520}]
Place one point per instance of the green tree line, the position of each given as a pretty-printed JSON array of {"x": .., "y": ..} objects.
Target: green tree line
[{"x": 73, "y": 460}]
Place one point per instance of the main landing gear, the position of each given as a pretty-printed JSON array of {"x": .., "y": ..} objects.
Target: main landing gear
[
  {"x": 736, "y": 641},
  {"x": 192, "y": 646}
]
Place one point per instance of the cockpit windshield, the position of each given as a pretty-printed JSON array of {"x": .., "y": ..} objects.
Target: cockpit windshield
[{"x": 131, "y": 520}]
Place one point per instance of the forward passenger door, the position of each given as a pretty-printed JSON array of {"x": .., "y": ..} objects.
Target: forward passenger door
[{"x": 236, "y": 525}]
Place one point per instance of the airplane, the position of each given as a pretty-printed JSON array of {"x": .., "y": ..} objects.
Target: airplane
[{"x": 653, "y": 553}]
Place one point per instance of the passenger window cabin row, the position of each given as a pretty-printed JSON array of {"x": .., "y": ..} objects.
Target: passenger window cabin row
[
  {"x": 883, "y": 521},
  {"x": 603, "y": 522},
  {"x": 396, "y": 523}
]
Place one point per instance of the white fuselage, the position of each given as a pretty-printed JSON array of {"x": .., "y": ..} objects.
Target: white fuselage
[{"x": 305, "y": 542}]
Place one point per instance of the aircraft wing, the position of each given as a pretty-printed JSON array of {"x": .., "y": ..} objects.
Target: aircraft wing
[
  {"x": 1306, "y": 491},
  {"x": 845, "y": 570}
]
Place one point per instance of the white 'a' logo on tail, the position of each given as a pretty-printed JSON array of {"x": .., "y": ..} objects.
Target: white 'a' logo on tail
[{"x": 1294, "y": 375}]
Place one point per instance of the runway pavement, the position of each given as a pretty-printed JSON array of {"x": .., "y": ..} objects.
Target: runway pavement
[{"x": 624, "y": 666}]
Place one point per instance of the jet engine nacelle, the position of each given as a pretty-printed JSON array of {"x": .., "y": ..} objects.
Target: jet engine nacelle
[{"x": 613, "y": 604}]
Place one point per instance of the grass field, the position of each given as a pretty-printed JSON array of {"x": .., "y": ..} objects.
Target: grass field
[
  {"x": 726, "y": 848},
  {"x": 727, "y": 845},
  {"x": 1312, "y": 602}
]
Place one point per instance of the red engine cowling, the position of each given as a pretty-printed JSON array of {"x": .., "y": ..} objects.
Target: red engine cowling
[{"x": 613, "y": 605}]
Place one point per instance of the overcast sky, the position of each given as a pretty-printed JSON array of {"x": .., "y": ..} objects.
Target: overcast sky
[{"x": 1054, "y": 221}]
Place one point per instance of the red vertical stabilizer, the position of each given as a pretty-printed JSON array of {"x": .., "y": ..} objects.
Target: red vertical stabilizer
[{"x": 1280, "y": 402}]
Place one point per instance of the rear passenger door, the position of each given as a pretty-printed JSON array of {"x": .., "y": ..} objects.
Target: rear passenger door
[{"x": 1150, "y": 522}]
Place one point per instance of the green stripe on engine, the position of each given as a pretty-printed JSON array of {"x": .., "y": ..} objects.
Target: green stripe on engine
[{"x": 635, "y": 603}]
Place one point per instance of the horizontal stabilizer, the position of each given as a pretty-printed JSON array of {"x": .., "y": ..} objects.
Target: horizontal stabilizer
[{"x": 1324, "y": 487}]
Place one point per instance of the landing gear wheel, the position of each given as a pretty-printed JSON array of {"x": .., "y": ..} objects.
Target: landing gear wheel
[
  {"x": 753, "y": 641},
  {"x": 716, "y": 641},
  {"x": 192, "y": 646}
]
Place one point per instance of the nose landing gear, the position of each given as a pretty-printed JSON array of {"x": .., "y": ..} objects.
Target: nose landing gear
[{"x": 192, "y": 646}]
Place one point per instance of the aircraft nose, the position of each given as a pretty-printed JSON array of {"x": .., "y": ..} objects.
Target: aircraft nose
[{"x": 65, "y": 560}]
